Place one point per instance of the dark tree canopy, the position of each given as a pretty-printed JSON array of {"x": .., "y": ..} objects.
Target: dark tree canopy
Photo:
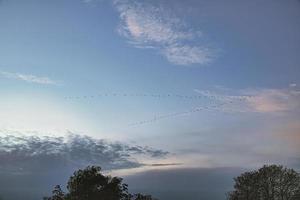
[
  {"x": 141, "y": 197},
  {"x": 91, "y": 184},
  {"x": 268, "y": 183},
  {"x": 57, "y": 194}
]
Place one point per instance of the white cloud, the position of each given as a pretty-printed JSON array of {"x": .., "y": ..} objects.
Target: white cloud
[
  {"x": 186, "y": 55},
  {"x": 29, "y": 78},
  {"x": 149, "y": 26}
]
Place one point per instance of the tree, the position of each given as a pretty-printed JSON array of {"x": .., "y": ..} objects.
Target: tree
[
  {"x": 91, "y": 184},
  {"x": 57, "y": 194},
  {"x": 268, "y": 183},
  {"x": 142, "y": 197}
]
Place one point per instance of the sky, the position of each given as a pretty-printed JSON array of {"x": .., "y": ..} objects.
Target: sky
[{"x": 176, "y": 96}]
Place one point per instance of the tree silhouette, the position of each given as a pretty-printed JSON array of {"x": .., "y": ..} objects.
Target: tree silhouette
[
  {"x": 57, "y": 194},
  {"x": 268, "y": 183},
  {"x": 141, "y": 197},
  {"x": 90, "y": 184}
]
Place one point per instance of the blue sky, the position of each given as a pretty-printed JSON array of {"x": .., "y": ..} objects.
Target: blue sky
[{"x": 214, "y": 84}]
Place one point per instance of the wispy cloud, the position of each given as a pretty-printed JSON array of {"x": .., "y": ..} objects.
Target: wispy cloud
[
  {"x": 29, "y": 78},
  {"x": 262, "y": 100},
  {"x": 148, "y": 26},
  {"x": 272, "y": 100},
  {"x": 228, "y": 100},
  {"x": 163, "y": 164}
]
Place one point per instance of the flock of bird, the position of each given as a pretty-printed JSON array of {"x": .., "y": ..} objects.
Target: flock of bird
[
  {"x": 199, "y": 96},
  {"x": 217, "y": 103},
  {"x": 136, "y": 95},
  {"x": 176, "y": 114}
]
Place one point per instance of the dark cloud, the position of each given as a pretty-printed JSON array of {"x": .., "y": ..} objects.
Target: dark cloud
[
  {"x": 164, "y": 164},
  {"x": 155, "y": 153},
  {"x": 188, "y": 183},
  {"x": 24, "y": 154},
  {"x": 30, "y": 165}
]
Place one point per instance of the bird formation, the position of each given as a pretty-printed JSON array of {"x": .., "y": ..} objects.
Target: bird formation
[
  {"x": 217, "y": 103},
  {"x": 178, "y": 96},
  {"x": 215, "y": 107}
]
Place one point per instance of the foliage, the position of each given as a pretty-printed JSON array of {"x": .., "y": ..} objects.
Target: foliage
[
  {"x": 91, "y": 184},
  {"x": 268, "y": 183},
  {"x": 141, "y": 197},
  {"x": 57, "y": 194}
]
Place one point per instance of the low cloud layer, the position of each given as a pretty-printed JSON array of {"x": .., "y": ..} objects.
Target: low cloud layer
[
  {"x": 28, "y": 154},
  {"x": 31, "y": 165},
  {"x": 185, "y": 183},
  {"x": 149, "y": 26}
]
